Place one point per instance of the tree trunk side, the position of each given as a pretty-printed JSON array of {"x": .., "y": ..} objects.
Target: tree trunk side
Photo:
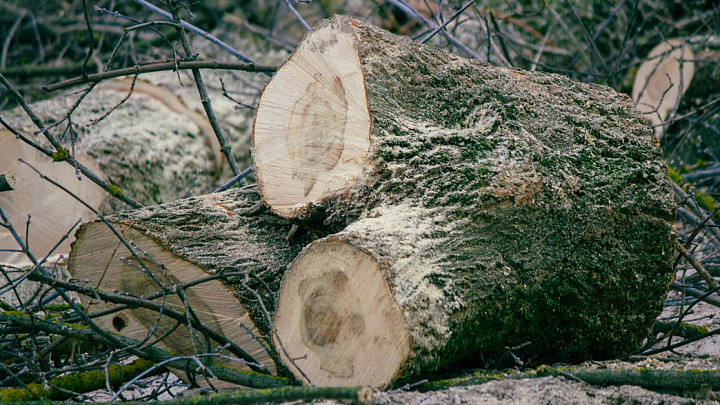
[{"x": 471, "y": 288}]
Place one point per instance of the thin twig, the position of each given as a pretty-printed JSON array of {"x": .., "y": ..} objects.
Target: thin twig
[
  {"x": 297, "y": 15},
  {"x": 448, "y": 21},
  {"x": 234, "y": 180},
  {"x": 204, "y": 98},
  {"x": 91, "y": 35},
  {"x": 159, "y": 67},
  {"x": 696, "y": 265},
  {"x": 197, "y": 30},
  {"x": 407, "y": 9},
  {"x": 10, "y": 36}
]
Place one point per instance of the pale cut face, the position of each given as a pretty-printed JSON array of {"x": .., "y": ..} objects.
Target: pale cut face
[
  {"x": 311, "y": 133},
  {"x": 337, "y": 318},
  {"x": 661, "y": 81},
  {"x": 53, "y": 211},
  {"x": 100, "y": 259}
]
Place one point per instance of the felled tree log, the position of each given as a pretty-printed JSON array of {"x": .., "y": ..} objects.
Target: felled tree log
[
  {"x": 182, "y": 242},
  {"x": 500, "y": 210},
  {"x": 145, "y": 149}
]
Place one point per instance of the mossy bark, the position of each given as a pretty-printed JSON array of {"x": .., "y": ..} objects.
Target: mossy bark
[
  {"x": 63, "y": 387},
  {"x": 472, "y": 288}
]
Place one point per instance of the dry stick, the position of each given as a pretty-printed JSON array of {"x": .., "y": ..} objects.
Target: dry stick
[
  {"x": 682, "y": 343},
  {"x": 158, "y": 67},
  {"x": 559, "y": 20},
  {"x": 587, "y": 36},
  {"x": 10, "y": 36},
  {"x": 204, "y": 98},
  {"x": 234, "y": 180},
  {"x": 407, "y": 9},
  {"x": 91, "y": 35},
  {"x": 113, "y": 190},
  {"x": 694, "y": 292},
  {"x": 540, "y": 51},
  {"x": 697, "y": 265},
  {"x": 448, "y": 21},
  {"x": 490, "y": 42},
  {"x": 196, "y": 30},
  {"x": 265, "y": 33},
  {"x": 599, "y": 30},
  {"x": 297, "y": 15},
  {"x": 710, "y": 225},
  {"x": 501, "y": 40}
]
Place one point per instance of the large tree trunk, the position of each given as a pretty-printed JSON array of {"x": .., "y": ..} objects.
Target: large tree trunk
[
  {"x": 182, "y": 242},
  {"x": 358, "y": 117},
  {"x": 500, "y": 210}
]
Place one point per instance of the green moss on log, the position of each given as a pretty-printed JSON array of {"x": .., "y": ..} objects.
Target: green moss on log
[{"x": 63, "y": 387}]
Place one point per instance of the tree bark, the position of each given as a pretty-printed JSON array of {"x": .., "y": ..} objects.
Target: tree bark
[
  {"x": 502, "y": 213},
  {"x": 182, "y": 242}
]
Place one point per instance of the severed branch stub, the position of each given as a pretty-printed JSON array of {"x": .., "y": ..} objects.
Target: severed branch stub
[{"x": 7, "y": 181}]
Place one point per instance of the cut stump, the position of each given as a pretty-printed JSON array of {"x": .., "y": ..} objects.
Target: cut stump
[
  {"x": 482, "y": 214},
  {"x": 183, "y": 242}
]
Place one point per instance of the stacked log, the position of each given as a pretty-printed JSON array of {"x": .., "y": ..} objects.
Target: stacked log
[
  {"x": 473, "y": 215},
  {"x": 481, "y": 211}
]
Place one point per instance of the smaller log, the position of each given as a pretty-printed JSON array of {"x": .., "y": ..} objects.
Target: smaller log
[
  {"x": 410, "y": 290},
  {"x": 180, "y": 243},
  {"x": 150, "y": 149}
]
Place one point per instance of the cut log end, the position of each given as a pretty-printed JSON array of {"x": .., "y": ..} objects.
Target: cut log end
[
  {"x": 661, "y": 81},
  {"x": 51, "y": 211},
  {"x": 338, "y": 320},
  {"x": 99, "y": 258},
  {"x": 311, "y": 133}
]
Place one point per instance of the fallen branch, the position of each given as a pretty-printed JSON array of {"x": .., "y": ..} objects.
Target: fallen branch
[
  {"x": 66, "y": 386},
  {"x": 277, "y": 395},
  {"x": 153, "y": 354},
  {"x": 159, "y": 67},
  {"x": 641, "y": 377}
]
